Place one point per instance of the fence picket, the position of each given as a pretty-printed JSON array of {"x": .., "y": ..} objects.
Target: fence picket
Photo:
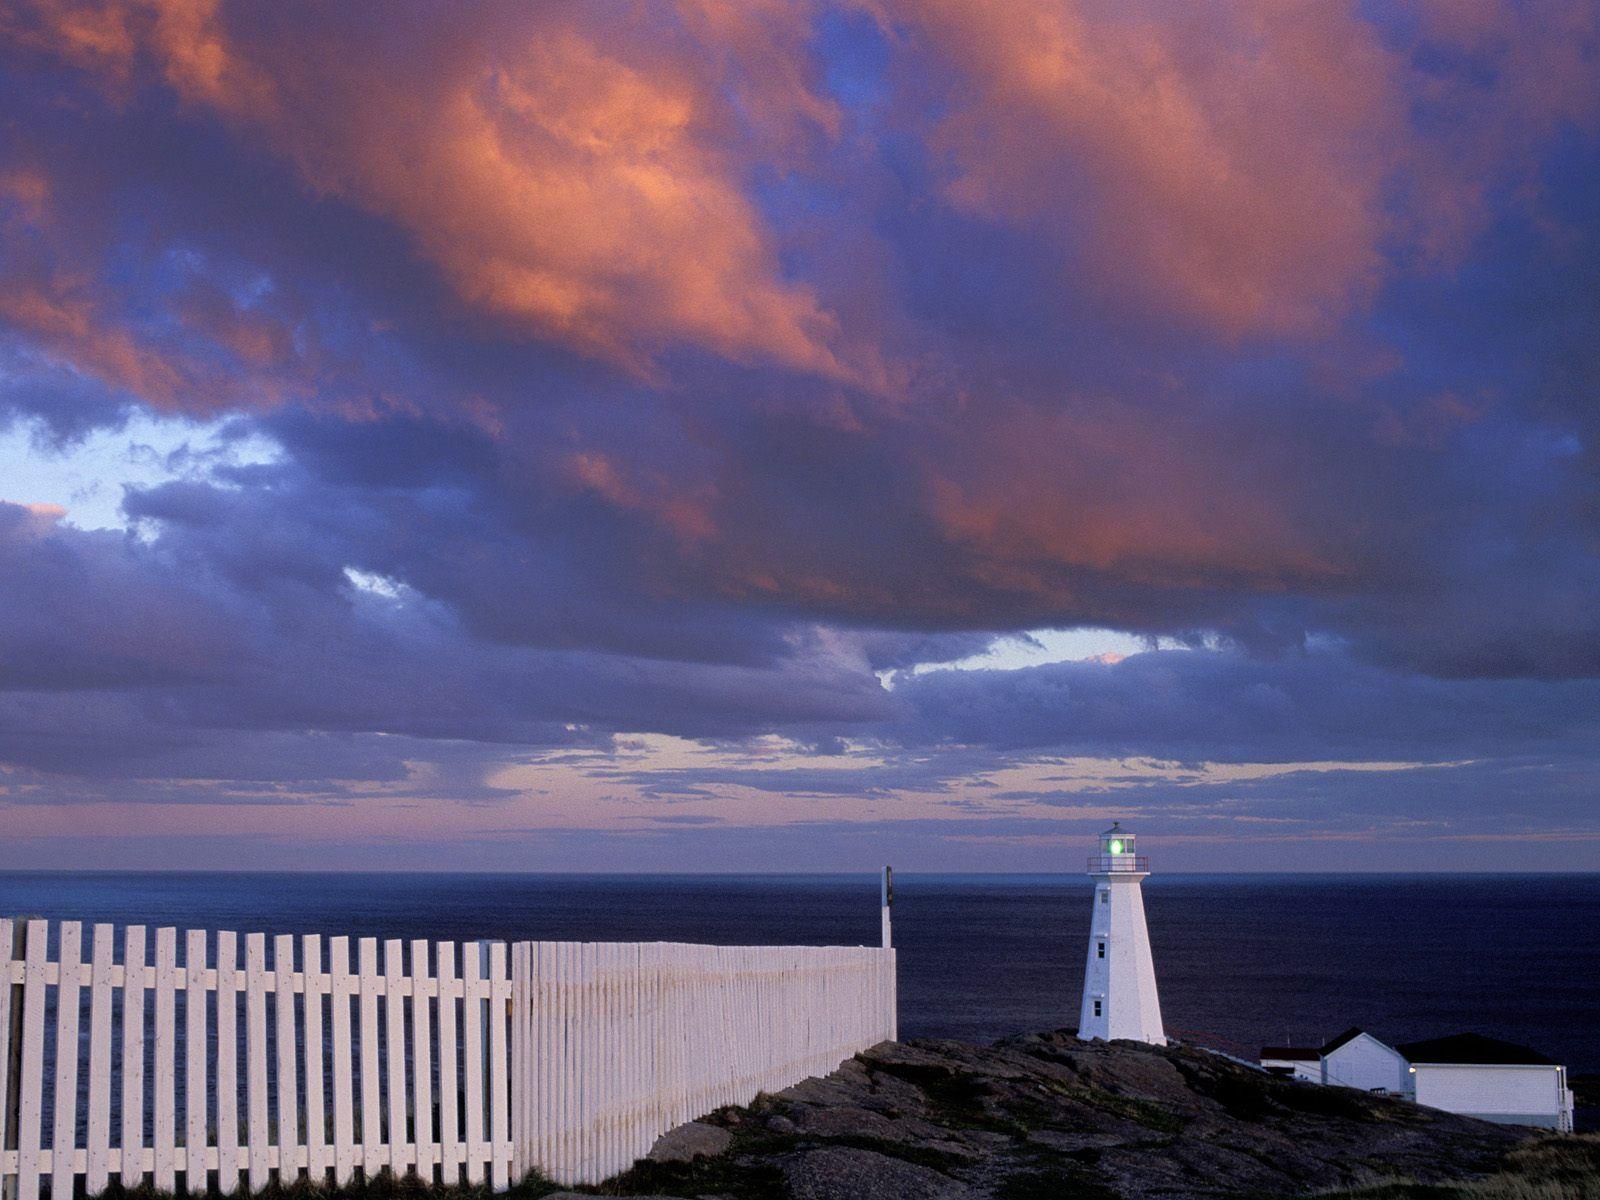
[
  {"x": 554, "y": 1161},
  {"x": 134, "y": 981},
  {"x": 577, "y": 1040},
  {"x": 394, "y": 970},
  {"x": 450, "y": 1158},
  {"x": 371, "y": 1103},
  {"x": 316, "y": 987},
  {"x": 422, "y": 987},
  {"x": 69, "y": 981},
  {"x": 538, "y": 1054},
  {"x": 8, "y": 945},
  {"x": 566, "y": 1029},
  {"x": 472, "y": 1059},
  {"x": 339, "y": 993},
  {"x": 97, "y": 1159},
  {"x": 519, "y": 1054},
  {"x": 227, "y": 1062},
  {"x": 30, "y": 1110},
  {"x": 499, "y": 1130},
  {"x": 255, "y": 1060},
  {"x": 283, "y": 1011},
  {"x": 164, "y": 1061},
  {"x": 195, "y": 1075},
  {"x": 600, "y": 1005}
]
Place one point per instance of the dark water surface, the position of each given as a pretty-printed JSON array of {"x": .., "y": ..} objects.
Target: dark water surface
[{"x": 1241, "y": 959}]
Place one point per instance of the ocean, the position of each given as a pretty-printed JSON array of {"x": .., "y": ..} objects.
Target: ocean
[{"x": 1241, "y": 960}]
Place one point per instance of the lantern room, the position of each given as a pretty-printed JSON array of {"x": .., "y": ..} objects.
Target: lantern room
[{"x": 1117, "y": 852}]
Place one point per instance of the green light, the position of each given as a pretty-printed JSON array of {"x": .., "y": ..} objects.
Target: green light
[{"x": 1116, "y": 847}]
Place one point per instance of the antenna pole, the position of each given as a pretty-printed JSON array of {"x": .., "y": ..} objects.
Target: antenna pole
[{"x": 888, "y": 903}]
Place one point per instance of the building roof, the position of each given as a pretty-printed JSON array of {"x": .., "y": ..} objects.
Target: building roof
[
  {"x": 1349, "y": 1035},
  {"x": 1290, "y": 1053},
  {"x": 1474, "y": 1049}
]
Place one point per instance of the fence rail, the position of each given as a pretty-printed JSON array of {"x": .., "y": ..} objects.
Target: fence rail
[{"x": 199, "y": 1071}]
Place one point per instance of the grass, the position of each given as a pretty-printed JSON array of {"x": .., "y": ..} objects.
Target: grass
[
  {"x": 1053, "y": 1183},
  {"x": 383, "y": 1186},
  {"x": 1549, "y": 1168},
  {"x": 959, "y": 1101}
]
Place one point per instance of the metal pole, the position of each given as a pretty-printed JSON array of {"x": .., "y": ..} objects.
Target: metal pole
[{"x": 888, "y": 903}]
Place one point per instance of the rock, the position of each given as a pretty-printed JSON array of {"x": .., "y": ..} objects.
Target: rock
[
  {"x": 1048, "y": 1115},
  {"x": 845, "y": 1121},
  {"x": 846, "y": 1173},
  {"x": 689, "y": 1142},
  {"x": 1068, "y": 1143}
]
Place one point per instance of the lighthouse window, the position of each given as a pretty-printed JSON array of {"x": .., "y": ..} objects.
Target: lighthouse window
[
  {"x": 1105, "y": 897},
  {"x": 1097, "y": 1008},
  {"x": 1100, "y": 950}
]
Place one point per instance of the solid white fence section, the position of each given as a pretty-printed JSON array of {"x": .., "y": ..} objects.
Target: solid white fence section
[
  {"x": 563, "y": 1057},
  {"x": 619, "y": 1042}
]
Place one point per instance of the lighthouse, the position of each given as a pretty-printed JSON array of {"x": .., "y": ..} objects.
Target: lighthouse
[{"x": 1119, "y": 979}]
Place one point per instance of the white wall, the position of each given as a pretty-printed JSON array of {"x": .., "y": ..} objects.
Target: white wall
[
  {"x": 1495, "y": 1093},
  {"x": 1310, "y": 1069},
  {"x": 1124, "y": 980},
  {"x": 1365, "y": 1063}
]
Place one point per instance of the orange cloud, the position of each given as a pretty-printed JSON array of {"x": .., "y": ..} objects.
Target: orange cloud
[
  {"x": 1250, "y": 166},
  {"x": 52, "y": 290},
  {"x": 577, "y": 175},
  {"x": 1226, "y": 161},
  {"x": 683, "y": 508},
  {"x": 1117, "y": 497}
]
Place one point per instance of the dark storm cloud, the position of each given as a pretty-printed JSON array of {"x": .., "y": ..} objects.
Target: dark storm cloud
[
  {"x": 116, "y": 648},
  {"x": 675, "y": 368},
  {"x": 1227, "y": 706}
]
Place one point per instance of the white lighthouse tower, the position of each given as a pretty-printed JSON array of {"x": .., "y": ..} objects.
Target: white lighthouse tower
[{"x": 1119, "y": 980}]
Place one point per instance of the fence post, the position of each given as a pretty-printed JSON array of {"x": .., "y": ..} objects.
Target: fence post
[
  {"x": 519, "y": 1059},
  {"x": 11, "y": 943}
]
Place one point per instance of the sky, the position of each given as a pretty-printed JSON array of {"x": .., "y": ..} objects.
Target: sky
[{"x": 798, "y": 435}]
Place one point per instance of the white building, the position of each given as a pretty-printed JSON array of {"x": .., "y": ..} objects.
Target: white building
[
  {"x": 1489, "y": 1079},
  {"x": 1293, "y": 1062},
  {"x": 1119, "y": 979},
  {"x": 1356, "y": 1059}
]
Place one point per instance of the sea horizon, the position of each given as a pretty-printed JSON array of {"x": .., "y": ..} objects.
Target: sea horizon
[
  {"x": 899, "y": 873},
  {"x": 1243, "y": 959}
]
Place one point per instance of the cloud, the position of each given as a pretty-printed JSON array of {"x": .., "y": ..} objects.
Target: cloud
[
  {"x": 574, "y": 175},
  {"x": 1226, "y": 706},
  {"x": 1249, "y": 167},
  {"x": 675, "y": 369}
]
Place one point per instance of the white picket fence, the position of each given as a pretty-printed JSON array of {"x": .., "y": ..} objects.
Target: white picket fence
[{"x": 479, "y": 1065}]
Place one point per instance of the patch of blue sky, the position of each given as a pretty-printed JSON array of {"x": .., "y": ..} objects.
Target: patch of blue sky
[
  {"x": 88, "y": 477},
  {"x": 1039, "y": 647}
]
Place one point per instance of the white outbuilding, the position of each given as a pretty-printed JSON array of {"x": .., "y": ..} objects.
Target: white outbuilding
[
  {"x": 1293, "y": 1062},
  {"x": 1489, "y": 1079},
  {"x": 1356, "y": 1059}
]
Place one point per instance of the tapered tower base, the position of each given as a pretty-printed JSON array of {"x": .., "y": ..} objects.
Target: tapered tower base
[{"x": 1119, "y": 979}]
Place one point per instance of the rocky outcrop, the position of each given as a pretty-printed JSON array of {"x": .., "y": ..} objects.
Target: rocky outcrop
[
  {"x": 1049, "y": 1116},
  {"x": 689, "y": 1142}
]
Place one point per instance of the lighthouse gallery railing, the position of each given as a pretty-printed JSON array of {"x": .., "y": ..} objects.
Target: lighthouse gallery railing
[{"x": 1101, "y": 863}]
